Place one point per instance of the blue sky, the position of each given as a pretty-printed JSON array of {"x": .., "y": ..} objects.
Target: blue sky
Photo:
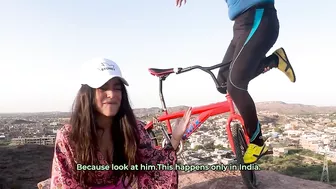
[{"x": 43, "y": 44}]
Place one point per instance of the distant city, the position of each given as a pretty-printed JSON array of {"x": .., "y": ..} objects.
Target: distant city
[
  {"x": 315, "y": 132},
  {"x": 35, "y": 128}
]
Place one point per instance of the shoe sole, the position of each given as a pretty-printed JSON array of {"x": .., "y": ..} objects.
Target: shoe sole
[{"x": 288, "y": 65}]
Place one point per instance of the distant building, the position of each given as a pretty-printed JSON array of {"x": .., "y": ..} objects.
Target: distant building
[
  {"x": 293, "y": 133},
  {"x": 311, "y": 142},
  {"x": 54, "y": 131},
  {"x": 288, "y": 126},
  {"x": 2, "y": 136},
  {"x": 331, "y": 130},
  {"x": 332, "y": 156},
  {"x": 35, "y": 140},
  {"x": 194, "y": 144},
  {"x": 227, "y": 161}
]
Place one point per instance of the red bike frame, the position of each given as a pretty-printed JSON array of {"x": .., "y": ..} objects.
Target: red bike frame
[{"x": 203, "y": 112}]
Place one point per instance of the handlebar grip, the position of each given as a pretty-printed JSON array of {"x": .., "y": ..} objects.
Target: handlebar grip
[
  {"x": 177, "y": 70},
  {"x": 181, "y": 70}
]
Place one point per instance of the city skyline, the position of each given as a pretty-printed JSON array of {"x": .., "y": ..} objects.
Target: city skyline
[{"x": 44, "y": 44}]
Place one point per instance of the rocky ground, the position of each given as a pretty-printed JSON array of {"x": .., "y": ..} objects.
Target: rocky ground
[
  {"x": 23, "y": 167},
  {"x": 227, "y": 180}
]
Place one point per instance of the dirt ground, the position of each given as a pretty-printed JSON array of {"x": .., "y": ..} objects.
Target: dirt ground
[
  {"x": 227, "y": 180},
  {"x": 24, "y": 167}
]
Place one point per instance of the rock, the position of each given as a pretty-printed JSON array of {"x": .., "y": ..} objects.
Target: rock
[
  {"x": 232, "y": 179},
  {"x": 44, "y": 184}
]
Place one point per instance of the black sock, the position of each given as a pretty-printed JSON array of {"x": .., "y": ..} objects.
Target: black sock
[
  {"x": 258, "y": 141},
  {"x": 273, "y": 60}
]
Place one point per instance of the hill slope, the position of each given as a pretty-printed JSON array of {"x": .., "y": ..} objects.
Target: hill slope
[
  {"x": 271, "y": 106},
  {"x": 285, "y": 108}
]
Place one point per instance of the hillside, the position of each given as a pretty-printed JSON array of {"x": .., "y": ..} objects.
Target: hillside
[
  {"x": 285, "y": 108},
  {"x": 271, "y": 106},
  {"x": 24, "y": 166},
  {"x": 141, "y": 112}
]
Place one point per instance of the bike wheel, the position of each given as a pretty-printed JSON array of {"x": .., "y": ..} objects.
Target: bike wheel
[
  {"x": 153, "y": 137},
  {"x": 240, "y": 144}
]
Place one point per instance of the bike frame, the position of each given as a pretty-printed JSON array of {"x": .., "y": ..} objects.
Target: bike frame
[{"x": 203, "y": 112}]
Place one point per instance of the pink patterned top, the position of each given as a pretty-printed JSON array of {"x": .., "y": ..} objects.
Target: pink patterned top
[{"x": 63, "y": 156}]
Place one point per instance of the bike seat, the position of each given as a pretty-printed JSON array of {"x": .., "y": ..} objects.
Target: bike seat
[{"x": 161, "y": 72}]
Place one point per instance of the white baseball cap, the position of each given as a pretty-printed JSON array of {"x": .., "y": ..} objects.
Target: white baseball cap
[{"x": 98, "y": 71}]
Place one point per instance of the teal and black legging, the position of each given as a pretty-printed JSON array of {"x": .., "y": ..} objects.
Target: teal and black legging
[{"x": 255, "y": 33}]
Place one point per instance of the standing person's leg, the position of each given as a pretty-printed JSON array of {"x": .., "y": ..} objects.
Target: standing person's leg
[{"x": 256, "y": 31}]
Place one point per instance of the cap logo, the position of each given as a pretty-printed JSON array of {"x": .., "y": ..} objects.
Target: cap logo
[{"x": 106, "y": 66}]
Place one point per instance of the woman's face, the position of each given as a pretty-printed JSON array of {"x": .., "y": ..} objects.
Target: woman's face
[{"x": 108, "y": 98}]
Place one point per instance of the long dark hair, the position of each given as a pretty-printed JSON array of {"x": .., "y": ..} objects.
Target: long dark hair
[{"x": 84, "y": 136}]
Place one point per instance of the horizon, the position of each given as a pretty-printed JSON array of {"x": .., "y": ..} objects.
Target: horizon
[
  {"x": 44, "y": 43},
  {"x": 169, "y": 107}
]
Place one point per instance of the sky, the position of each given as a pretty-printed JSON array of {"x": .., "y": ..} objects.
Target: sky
[{"x": 44, "y": 43}]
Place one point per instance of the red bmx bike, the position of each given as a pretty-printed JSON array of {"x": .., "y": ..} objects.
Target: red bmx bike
[{"x": 236, "y": 132}]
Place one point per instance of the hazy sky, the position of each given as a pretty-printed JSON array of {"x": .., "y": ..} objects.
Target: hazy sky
[{"x": 43, "y": 43}]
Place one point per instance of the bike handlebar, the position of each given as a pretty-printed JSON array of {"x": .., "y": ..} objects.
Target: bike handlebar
[
  {"x": 205, "y": 69},
  {"x": 182, "y": 70}
]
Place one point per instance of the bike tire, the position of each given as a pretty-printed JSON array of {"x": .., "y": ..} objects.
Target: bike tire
[
  {"x": 240, "y": 144},
  {"x": 153, "y": 137}
]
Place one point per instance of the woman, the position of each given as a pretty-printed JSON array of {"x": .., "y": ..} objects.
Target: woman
[{"x": 102, "y": 131}]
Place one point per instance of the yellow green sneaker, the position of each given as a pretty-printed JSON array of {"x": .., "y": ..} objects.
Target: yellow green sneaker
[
  {"x": 254, "y": 153},
  {"x": 284, "y": 65}
]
